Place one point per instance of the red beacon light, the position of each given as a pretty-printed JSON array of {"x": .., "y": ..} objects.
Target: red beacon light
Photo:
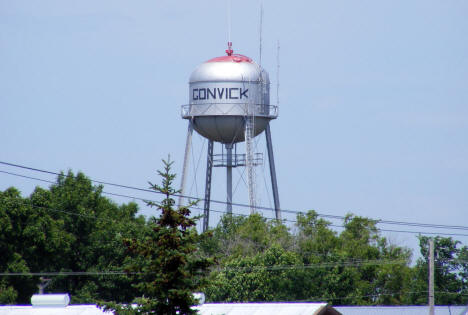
[{"x": 229, "y": 51}]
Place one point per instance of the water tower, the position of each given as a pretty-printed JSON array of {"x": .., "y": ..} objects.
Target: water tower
[{"x": 229, "y": 102}]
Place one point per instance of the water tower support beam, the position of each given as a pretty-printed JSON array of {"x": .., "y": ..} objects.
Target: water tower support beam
[
  {"x": 209, "y": 168},
  {"x": 271, "y": 162},
  {"x": 229, "y": 178},
  {"x": 188, "y": 145}
]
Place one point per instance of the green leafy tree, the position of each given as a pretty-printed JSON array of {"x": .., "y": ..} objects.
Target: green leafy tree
[
  {"x": 266, "y": 276},
  {"x": 237, "y": 236},
  {"x": 355, "y": 261},
  {"x": 29, "y": 239},
  {"x": 168, "y": 265},
  {"x": 450, "y": 272},
  {"x": 68, "y": 227},
  {"x": 97, "y": 227},
  {"x": 263, "y": 260}
]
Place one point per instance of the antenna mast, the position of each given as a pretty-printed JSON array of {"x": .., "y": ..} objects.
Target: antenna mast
[
  {"x": 277, "y": 72},
  {"x": 229, "y": 20},
  {"x": 260, "y": 33}
]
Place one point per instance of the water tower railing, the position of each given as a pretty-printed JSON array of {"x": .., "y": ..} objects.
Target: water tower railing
[
  {"x": 229, "y": 109},
  {"x": 220, "y": 160}
]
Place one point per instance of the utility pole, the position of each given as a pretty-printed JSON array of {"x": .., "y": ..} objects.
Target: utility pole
[{"x": 431, "y": 276}]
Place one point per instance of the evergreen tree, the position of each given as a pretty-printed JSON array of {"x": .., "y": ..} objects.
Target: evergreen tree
[{"x": 167, "y": 265}]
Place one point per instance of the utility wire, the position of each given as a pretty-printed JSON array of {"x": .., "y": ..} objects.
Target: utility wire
[
  {"x": 343, "y": 226},
  {"x": 67, "y": 273},
  {"x": 354, "y": 297},
  {"x": 415, "y": 224},
  {"x": 316, "y": 298},
  {"x": 353, "y": 263},
  {"x": 234, "y": 213},
  {"x": 28, "y": 177},
  {"x": 456, "y": 260},
  {"x": 240, "y": 204},
  {"x": 198, "y": 208},
  {"x": 238, "y": 214},
  {"x": 243, "y": 269}
]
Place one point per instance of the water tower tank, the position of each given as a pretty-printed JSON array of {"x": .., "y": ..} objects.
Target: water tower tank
[{"x": 223, "y": 91}]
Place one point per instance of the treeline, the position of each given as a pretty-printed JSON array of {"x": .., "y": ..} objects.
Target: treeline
[
  {"x": 72, "y": 227},
  {"x": 262, "y": 260}
]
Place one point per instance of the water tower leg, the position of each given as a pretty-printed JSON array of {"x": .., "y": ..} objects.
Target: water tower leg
[
  {"x": 229, "y": 178},
  {"x": 274, "y": 183},
  {"x": 188, "y": 145},
  {"x": 209, "y": 168}
]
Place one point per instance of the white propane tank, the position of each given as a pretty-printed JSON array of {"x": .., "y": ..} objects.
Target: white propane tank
[{"x": 50, "y": 300}]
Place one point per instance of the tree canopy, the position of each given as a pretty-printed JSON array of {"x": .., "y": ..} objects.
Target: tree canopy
[
  {"x": 68, "y": 227},
  {"x": 264, "y": 261},
  {"x": 160, "y": 261}
]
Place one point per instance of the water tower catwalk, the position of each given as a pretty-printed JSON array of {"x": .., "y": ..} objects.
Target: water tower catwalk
[{"x": 230, "y": 103}]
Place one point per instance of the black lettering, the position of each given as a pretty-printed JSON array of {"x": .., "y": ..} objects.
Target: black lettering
[
  {"x": 200, "y": 94},
  {"x": 212, "y": 93},
  {"x": 243, "y": 93},
  {"x": 230, "y": 94},
  {"x": 220, "y": 93}
]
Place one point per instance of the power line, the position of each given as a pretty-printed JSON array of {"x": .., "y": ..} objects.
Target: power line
[
  {"x": 120, "y": 273},
  {"x": 375, "y": 262},
  {"x": 354, "y": 297},
  {"x": 218, "y": 211},
  {"x": 378, "y": 221},
  {"x": 93, "y": 180},
  {"x": 66, "y": 273},
  {"x": 236, "y": 204},
  {"x": 343, "y": 226},
  {"x": 353, "y": 263},
  {"x": 244, "y": 269},
  {"x": 410, "y": 232},
  {"x": 237, "y": 214},
  {"x": 28, "y": 177},
  {"x": 414, "y": 224}
]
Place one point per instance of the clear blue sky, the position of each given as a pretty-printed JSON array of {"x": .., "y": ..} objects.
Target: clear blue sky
[{"x": 373, "y": 98}]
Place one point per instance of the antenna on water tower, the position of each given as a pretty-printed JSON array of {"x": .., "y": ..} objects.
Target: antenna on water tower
[
  {"x": 260, "y": 34},
  {"x": 229, "y": 20},
  {"x": 277, "y": 72}
]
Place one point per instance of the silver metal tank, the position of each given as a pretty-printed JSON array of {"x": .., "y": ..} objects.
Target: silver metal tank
[{"x": 223, "y": 91}]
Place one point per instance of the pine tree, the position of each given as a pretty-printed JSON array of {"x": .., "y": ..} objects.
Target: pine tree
[{"x": 167, "y": 266}]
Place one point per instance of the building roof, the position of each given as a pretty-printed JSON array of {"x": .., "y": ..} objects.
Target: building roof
[
  {"x": 402, "y": 310},
  {"x": 251, "y": 308},
  {"x": 51, "y": 310},
  {"x": 205, "y": 309},
  {"x": 266, "y": 309}
]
